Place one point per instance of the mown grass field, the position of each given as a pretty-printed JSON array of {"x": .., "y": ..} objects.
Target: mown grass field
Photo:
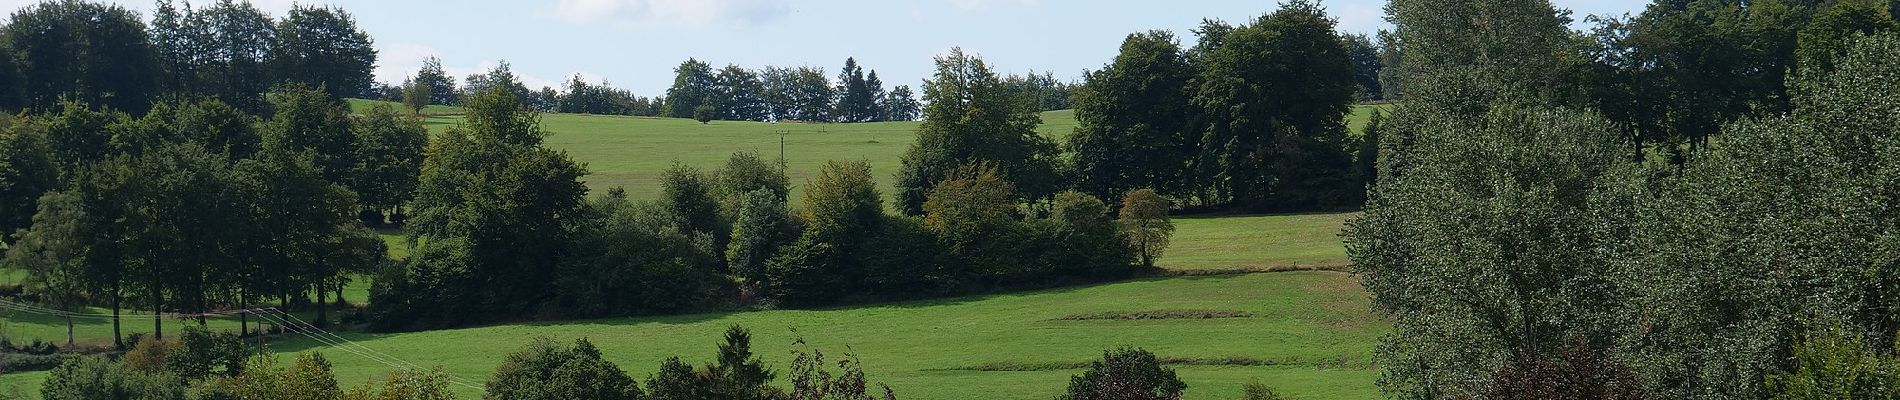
[
  {"x": 1308, "y": 334},
  {"x": 633, "y": 152}
]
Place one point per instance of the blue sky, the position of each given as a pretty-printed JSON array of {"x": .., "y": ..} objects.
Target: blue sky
[{"x": 636, "y": 43}]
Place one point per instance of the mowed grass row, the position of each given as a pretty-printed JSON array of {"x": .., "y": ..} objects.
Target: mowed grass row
[{"x": 1314, "y": 328}]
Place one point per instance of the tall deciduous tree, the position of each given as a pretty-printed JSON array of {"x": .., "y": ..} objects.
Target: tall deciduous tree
[
  {"x": 320, "y": 46},
  {"x": 693, "y": 85},
  {"x": 971, "y": 117},
  {"x": 389, "y": 150},
  {"x": 89, "y": 52},
  {"x": 1276, "y": 94},
  {"x": 236, "y": 45},
  {"x": 310, "y": 120},
  {"x": 1134, "y": 120},
  {"x": 1365, "y": 66},
  {"x": 27, "y": 171},
  {"x": 1144, "y": 222},
  {"x": 741, "y": 95}
]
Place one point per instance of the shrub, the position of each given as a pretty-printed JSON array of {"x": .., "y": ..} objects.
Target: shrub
[
  {"x": 812, "y": 379},
  {"x": 904, "y": 260},
  {"x": 199, "y": 353},
  {"x": 405, "y": 384},
  {"x": 147, "y": 355},
  {"x": 309, "y": 378},
  {"x": 1258, "y": 391},
  {"x": 548, "y": 372},
  {"x": 628, "y": 258},
  {"x": 805, "y": 272},
  {"x": 973, "y": 210},
  {"x": 95, "y": 378},
  {"x": 1126, "y": 374},
  {"x": 763, "y": 225},
  {"x": 1079, "y": 240},
  {"x": 736, "y": 375},
  {"x": 1834, "y": 364}
]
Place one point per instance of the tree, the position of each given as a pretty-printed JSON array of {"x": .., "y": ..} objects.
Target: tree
[
  {"x": 901, "y": 105},
  {"x": 972, "y": 118},
  {"x": 1827, "y": 34},
  {"x": 87, "y": 52},
  {"x": 841, "y": 203},
  {"x": 441, "y": 85},
  {"x": 973, "y": 209},
  {"x": 812, "y": 378},
  {"x": 12, "y": 97},
  {"x": 493, "y": 207},
  {"x": 27, "y": 171},
  {"x": 1144, "y": 221},
  {"x": 320, "y": 46},
  {"x": 693, "y": 86},
  {"x": 1133, "y": 121},
  {"x": 309, "y": 120},
  {"x": 388, "y": 154},
  {"x": 79, "y": 134},
  {"x": 879, "y": 108},
  {"x": 220, "y": 127},
  {"x": 54, "y": 253},
  {"x": 688, "y": 194},
  {"x": 1125, "y": 374},
  {"x": 705, "y": 113},
  {"x": 502, "y": 76},
  {"x": 1366, "y": 67},
  {"x": 1391, "y": 81},
  {"x": 798, "y": 94},
  {"x": 762, "y": 226},
  {"x": 741, "y": 95},
  {"x": 1277, "y": 93},
  {"x": 236, "y": 44},
  {"x": 1080, "y": 239},
  {"x": 415, "y": 96},
  {"x": 855, "y": 103},
  {"x": 1482, "y": 227},
  {"x": 298, "y": 213},
  {"x": 544, "y": 371},
  {"x": 307, "y": 378}
]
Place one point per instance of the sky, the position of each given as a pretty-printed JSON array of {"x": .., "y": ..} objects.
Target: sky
[{"x": 635, "y": 44}]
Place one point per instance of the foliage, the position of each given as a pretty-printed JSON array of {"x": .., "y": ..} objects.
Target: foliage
[
  {"x": 405, "y": 384},
  {"x": 812, "y": 379},
  {"x": 705, "y": 113},
  {"x": 199, "y": 353},
  {"x": 736, "y": 374},
  {"x": 1079, "y": 239},
  {"x": 688, "y": 196},
  {"x": 1125, "y": 374},
  {"x": 27, "y": 171},
  {"x": 1133, "y": 126},
  {"x": 1276, "y": 93},
  {"x": 388, "y": 154},
  {"x": 973, "y": 210},
  {"x": 493, "y": 209},
  {"x": 95, "y": 378},
  {"x": 308, "y": 378},
  {"x": 544, "y": 370},
  {"x": 308, "y": 120},
  {"x": 87, "y": 52},
  {"x": 320, "y": 46},
  {"x": 972, "y": 117},
  {"x": 1258, "y": 391},
  {"x": 630, "y": 258},
  {"x": 1830, "y": 363},
  {"x": 1144, "y": 222},
  {"x": 693, "y": 86},
  {"x": 762, "y": 226}
]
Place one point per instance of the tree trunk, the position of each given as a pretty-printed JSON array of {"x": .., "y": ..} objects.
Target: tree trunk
[
  {"x": 321, "y": 319},
  {"x": 117, "y": 341},
  {"x": 69, "y": 331}
]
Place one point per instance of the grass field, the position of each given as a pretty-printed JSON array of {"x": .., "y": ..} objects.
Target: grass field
[
  {"x": 1299, "y": 240},
  {"x": 633, "y": 152}
]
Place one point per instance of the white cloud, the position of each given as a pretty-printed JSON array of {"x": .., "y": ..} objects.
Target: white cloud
[
  {"x": 691, "y": 13},
  {"x": 983, "y": 5}
]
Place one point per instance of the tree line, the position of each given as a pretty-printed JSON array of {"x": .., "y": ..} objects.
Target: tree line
[
  {"x": 198, "y": 206},
  {"x": 1526, "y": 232},
  {"x": 107, "y": 56}
]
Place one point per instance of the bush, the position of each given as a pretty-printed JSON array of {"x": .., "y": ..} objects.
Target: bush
[
  {"x": 405, "y": 384},
  {"x": 973, "y": 210},
  {"x": 1079, "y": 240},
  {"x": 736, "y": 375},
  {"x": 147, "y": 355},
  {"x": 95, "y": 378},
  {"x": 199, "y": 353},
  {"x": 309, "y": 378},
  {"x": 904, "y": 261},
  {"x": 762, "y": 226},
  {"x": 629, "y": 258},
  {"x": 1834, "y": 364},
  {"x": 805, "y": 272},
  {"x": 1126, "y": 374},
  {"x": 1258, "y": 391},
  {"x": 544, "y": 371},
  {"x": 813, "y": 380},
  {"x": 19, "y": 362}
]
